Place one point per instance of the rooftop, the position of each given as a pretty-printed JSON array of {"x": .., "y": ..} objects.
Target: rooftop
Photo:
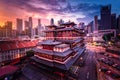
[
  {"x": 49, "y": 42},
  {"x": 17, "y": 45},
  {"x": 68, "y": 23},
  {"x": 52, "y": 26},
  {"x": 71, "y": 41},
  {"x": 7, "y": 70},
  {"x": 62, "y": 45},
  {"x": 60, "y": 29},
  {"x": 65, "y": 66},
  {"x": 49, "y": 52}
]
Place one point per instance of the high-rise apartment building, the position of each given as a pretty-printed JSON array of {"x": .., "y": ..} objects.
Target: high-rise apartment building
[
  {"x": 26, "y": 27},
  {"x": 96, "y": 23},
  {"x": 19, "y": 24},
  {"x": 52, "y": 21},
  {"x": 30, "y": 27},
  {"x": 105, "y": 17},
  {"x": 113, "y": 21},
  {"x": 8, "y": 27},
  {"x": 118, "y": 22}
]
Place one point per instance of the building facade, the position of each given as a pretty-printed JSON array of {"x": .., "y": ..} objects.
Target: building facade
[{"x": 11, "y": 51}]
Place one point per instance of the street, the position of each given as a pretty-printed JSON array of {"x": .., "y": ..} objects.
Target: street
[{"x": 88, "y": 72}]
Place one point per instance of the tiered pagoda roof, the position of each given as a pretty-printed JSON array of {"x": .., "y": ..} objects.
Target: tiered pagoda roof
[{"x": 66, "y": 66}]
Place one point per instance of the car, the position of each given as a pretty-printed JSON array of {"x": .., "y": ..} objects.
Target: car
[
  {"x": 102, "y": 58},
  {"x": 103, "y": 69},
  {"x": 110, "y": 63},
  {"x": 109, "y": 72},
  {"x": 109, "y": 59},
  {"x": 106, "y": 54},
  {"x": 81, "y": 64},
  {"x": 98, "y": 59},
  {"x": 115, "y": 75},
  {"x": 60, "y": 74},
  {"x": 101, "y": 53},
  {"x": 105, "y": 61},
  {"x": 114, "y": 65},
  {"x": 110, "y": 56},
  {"x": 118, "y": 67}
]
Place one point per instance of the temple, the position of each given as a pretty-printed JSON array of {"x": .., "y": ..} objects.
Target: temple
[{"x": 62, "y": 47}]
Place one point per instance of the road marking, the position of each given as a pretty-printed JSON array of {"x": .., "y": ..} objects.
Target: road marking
[{"x": 87, "y": 75}]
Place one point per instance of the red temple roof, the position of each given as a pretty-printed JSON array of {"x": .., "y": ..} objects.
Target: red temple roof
[
  {"x": 68, "y": 23},
  {"x": 17, "y": 45},
  {"x": 52, "y": 26},
  {"x": 7, "y": 70}
]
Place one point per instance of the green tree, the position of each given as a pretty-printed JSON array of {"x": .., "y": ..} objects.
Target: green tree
[
  {"x": 30, "y": 53},
  {"x": 107, "y": 37},
  {"x": 118, "y": 37}
]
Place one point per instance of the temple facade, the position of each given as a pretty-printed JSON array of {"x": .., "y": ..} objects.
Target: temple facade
[{"x": 62, "y": 47}]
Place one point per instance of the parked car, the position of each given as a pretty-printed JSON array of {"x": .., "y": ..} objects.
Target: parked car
[
  {"x": 106, "y": 54},
  {"x": 101, "y": 53},
  {"x": 118, "y": 67},
  {"x": 110, "y": 63},
  {"x": 110, "y": 56},
  {"x": 99, "y": 59},
  {"x": 109, "y": 72},
  {"x": 103, "y": 69},
  {"x": 115, "y": 75},
  {"x": 115, "y": 65},
  {"x": 60, "y": 74}
]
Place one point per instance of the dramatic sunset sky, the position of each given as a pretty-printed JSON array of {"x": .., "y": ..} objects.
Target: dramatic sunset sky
[{"x": 74, "y": 10}]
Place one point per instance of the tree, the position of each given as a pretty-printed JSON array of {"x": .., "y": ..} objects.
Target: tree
[
  {"x": 118, "y": 37},
  {"x": 30, "y": 53},
  {"x": 107, "y": 37}
]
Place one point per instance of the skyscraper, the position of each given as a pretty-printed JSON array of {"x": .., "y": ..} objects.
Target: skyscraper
[
  {"x": 81, "y": 25},
  {"x": 60, "y": 22},
  {"x": 113, "y": 21},
  {"x": 26, "y": 27},
  {"x": 19, "y": 26},
  {"x": 95, "y": 23},
  {"x": 8, "y": 26},
  {"x": 39, "y": 22},
  {"x": 105, "y": 17},
  {"x": 90, "y": 27},
  {"x": 52, "y": 21},
  {"x": 30, "y": 27},
  {"x": 118, "y": 22},
  {"x": 38, "y": 28}
]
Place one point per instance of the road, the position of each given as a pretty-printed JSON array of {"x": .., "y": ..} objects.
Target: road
[{"x": 88, "y": 72}]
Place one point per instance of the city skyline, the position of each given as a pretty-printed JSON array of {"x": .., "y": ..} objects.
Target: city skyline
[{"x": 78, "y": 10}]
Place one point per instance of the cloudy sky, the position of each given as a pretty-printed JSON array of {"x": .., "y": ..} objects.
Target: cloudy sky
[{"x": 74, "y": 10}]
